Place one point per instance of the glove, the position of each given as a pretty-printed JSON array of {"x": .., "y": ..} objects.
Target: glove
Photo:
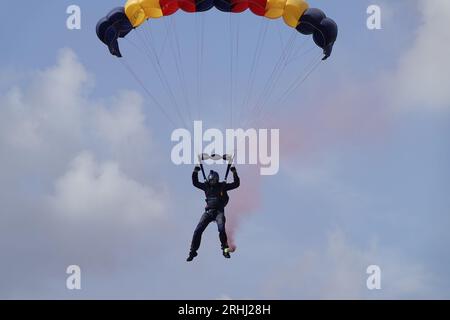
[
  {"x": 197, "y": 169},
  {"x": 233, "y": 169}
]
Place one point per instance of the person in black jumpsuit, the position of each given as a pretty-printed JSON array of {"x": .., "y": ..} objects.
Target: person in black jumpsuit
[{"x": 216, "y": 201}]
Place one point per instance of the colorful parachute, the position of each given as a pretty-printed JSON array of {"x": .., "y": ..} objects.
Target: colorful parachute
[{"x": 296, "y": 14}]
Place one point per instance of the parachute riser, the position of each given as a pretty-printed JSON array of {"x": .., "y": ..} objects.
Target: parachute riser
[
  {"x": 200, "y": 163},
  {"x": 230, "y": 163}
]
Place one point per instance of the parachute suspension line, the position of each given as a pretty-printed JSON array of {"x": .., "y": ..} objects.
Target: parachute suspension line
[
  {"x": 148, "y": 33},
  {"x": 303, "y": 75},
  {"x": 178, "y": 70},
  {"x": 294, "y": 51},
  {"x": 274, "y": 76},
  {"x": 282, "y": 62},
  {"x": 279, "y": 36},
  {"x": 181, "y": 70},
  {"x": 299, "y": 53},
  {"x": 145, "y": 54},
  {"x": 160, "y": 76},
  {"x": 237, "y": 53},
  {"x": 147, "y": 91},
  {"x": 163, "y": 47},
  {"x": 142, "y": 51},
  {"x": 197, "y": 61},
  {"x": 309, "y": 69},
  {"x": 318, "y": 30},
  {"x": 199, "y": 58},
  {"x": 254, "y": 63},
  {"x": 301, "y": 79},
  {"x": 231, "y": 69},
  {"x": 291, "y": 52},
  {"x": 234, "y": 61},
  {"x": 202, "y": 56},
  {"x": 255, "y": 67},
  {"x": 150, "y": 44}
]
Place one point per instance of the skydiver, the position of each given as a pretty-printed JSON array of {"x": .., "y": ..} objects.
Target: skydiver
[{"x": 216, "y": 200}]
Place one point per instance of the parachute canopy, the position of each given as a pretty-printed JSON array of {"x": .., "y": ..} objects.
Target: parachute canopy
[{"x": 295, "y": 13}]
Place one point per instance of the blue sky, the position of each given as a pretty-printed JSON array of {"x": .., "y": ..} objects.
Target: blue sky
[{"x": 86, "y": 176}]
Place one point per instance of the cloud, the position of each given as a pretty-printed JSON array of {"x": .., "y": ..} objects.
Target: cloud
[
  {"x": 100, "y": 190},
  {"x": 74, "y": 180},
  {"x": 362, "y": 112},
  {"x": 122, "y": 122},
  {"x": 52, "y": 104},
  {"x": 52, "y": 117},
  {"x": 423, "y": 74},
  {"x": 337, "y": 270}
]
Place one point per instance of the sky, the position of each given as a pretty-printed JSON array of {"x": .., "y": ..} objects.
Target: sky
[{"x": 86, "y": 176}]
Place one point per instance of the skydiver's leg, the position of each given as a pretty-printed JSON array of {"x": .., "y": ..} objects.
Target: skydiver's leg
[
  {"x": 197, "y": 237},
  {"x": 221, "y": 220}
]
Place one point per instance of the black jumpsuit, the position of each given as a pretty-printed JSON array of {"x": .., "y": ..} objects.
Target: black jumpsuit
[{"x": 216, "y": 200}]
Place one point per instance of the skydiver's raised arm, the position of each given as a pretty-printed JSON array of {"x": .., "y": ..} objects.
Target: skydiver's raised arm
[
  {"x": 195, "y": 181},
  {"x": 236, "y": 181}
]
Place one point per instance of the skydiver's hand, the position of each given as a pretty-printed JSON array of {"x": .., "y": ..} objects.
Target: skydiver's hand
[
  {"x": 197, "y": 169},
  {"x": 233, "y": 169}
]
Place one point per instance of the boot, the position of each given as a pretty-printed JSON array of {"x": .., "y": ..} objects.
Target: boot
[
  {"x": 226, "y": 253},
  {"x": 191, "y": 256}
]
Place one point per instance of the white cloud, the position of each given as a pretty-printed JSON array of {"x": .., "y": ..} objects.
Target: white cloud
[
  {"x": 101, "y": 191},
  {"x": 74, "y": 181},
  {"x": 48, "y": 111},
  {"x": 123, "y": 133},
  {"x": 124, "y": 121},
  {"x": 50, "y": 118},
  {"x": 423, "y": 76}
]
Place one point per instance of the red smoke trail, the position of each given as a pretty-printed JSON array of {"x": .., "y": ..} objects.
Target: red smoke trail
[
  {"x": 244, "y": 201},
  {"x": 350, "y": 116}
]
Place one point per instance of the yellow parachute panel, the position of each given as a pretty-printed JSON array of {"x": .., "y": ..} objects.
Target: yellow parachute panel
[
  {"x": 275, "y": 8},
  {"x": 138, "y": 11},
  {"x": 293, "y": 10}
]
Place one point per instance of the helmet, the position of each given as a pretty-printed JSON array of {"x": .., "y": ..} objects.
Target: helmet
[{"x": 213, "y": 177}]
